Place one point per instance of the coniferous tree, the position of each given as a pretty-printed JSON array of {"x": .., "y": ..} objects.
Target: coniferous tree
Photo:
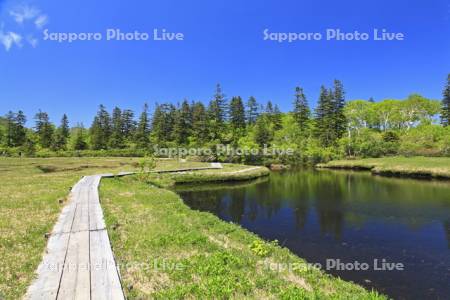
[
  {"x": 277, "y": 118},
  {"x": 340, "y": 122},
  {"x": 237, "y": 113},
  {"x": 105, "y": 123},
  {"x": 269, "y": 108},
  {"x": 263, "y": 134},
  {"x": 163, "y": 123},
  {"x": 10, "y": 129},
  {"x": 200, "y": 122},
  {"x": 64, "y": 127},
  {"x": 44, "y": 129},
  {"x": 61, "y": 134},
  {"x": 218, "y": 106},
  {"x": 445, "y": 111},
  {"x": 324, "y": 117},
  {"x": 301, "y": 112},
  {"x": 79, "y": 141},
  {"x": 158, "y": 124},
  {"x": 217, "y": 111},
  {"x": 96, "y": 135},
  {"x": 170, "y": 113},
  {"x": 117, "y": 135},
  {"x": 143, "y": 129},
  {"x": 20, "y": 130},
  {"x": 15, "y": 134},
  {"x": 100, "y": 131},
  {"x": 128, "y": 123},
  {"x": 183, "y": 123},
  {"x": 252, "y": 110}
]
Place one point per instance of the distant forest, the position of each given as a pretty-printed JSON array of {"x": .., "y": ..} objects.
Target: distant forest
[{"x": 335, "y": 128}]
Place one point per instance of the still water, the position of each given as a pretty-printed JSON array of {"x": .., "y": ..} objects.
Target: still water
[{"x": 351, "y": 216}]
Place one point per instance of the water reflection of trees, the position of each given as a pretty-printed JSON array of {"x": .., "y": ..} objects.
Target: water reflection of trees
[
  {"x": 333, "y": 198},
  {"x": 447, "y": 231}
]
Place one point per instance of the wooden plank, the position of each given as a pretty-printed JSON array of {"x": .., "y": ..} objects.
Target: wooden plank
[
  {"x": 105, "y": 281},
  {"x": 81, "y": 218},
  {"x": 65, "y": 220},
  {"x": 49, "y": 271},
  {"x": 75, "y": 280},
  {"x": 96, "y": 220}
]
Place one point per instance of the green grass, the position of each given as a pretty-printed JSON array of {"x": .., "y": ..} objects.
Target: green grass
[
  {"x": 150, "y": 228},
  {"x": 422, "y": 167},
  {"x": 31, "y": 192},
  {"x": 230, "y": 172}
]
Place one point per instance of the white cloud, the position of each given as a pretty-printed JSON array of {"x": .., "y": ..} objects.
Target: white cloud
[
  {"x": 40, "y": 21},
  {"x": 24, "y": 34},
  {"x": 32, "y": 41},
  {"x": 9, "y": 39},
  {"x": 23, "y": 13}
]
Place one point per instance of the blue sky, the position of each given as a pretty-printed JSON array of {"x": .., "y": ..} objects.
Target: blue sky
[{"x": 223, "y": 42}]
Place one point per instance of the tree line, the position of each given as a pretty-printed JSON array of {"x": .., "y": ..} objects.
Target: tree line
[{"x": 335, "y": 127}]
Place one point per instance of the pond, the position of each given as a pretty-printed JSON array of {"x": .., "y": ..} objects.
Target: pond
[{"x": 341, "y": 217}]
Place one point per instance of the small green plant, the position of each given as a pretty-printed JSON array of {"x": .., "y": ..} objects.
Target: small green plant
[
  {"x": 145, "y": 165},
  {"x": 260, "y": 248}
]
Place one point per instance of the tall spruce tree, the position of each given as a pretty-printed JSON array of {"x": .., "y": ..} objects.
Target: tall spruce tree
[
  {"x": 142, "y": 137},
  {"x": 301, "y": 112},
  {"x": 61, "y": 134},
  {"x": 10, "y": 129},
  {"x": 263, "y": 134},
  {"x": 163, "y": 123},
  {"x": 217, "y": 111},
  {"x": 252, "y": 110},
  {"x": 96, "y": 135},
  {"x": 277, "y": 118},
  {"x": 200, "y": 123},
  {"x": 237, "y": 113},
  {"x": 15, "y": 134},
  {"x": 445, "y": 111},
  {"x": 170, "y": 113},
  {"x": 340, "y": 122},
  {"x": 218, "y": 106},
  {"x": 44, "y": 129},
  {"x": 158, "y": 124},
  {"x": 100, "y": 131},
  {"x": 128, "y": 123},
  {"x": 324, "y": 118},
  {"x": 21, "y": 131},
  {"x": 183, "y": 123},
  {"x": 269, "y": 108},
  {"x": 79, "y": 140},
  {"x": 117, "y": 133}
]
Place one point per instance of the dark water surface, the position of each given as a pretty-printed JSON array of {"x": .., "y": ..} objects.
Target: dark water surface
[{"x": 351, "y": 216}]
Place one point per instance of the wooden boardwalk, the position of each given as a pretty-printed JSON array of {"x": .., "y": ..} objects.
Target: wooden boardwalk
[{"x": 78, "y": 262}]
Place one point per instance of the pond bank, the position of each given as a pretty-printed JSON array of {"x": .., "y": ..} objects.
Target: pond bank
[{"x": 412, "y": 167}]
